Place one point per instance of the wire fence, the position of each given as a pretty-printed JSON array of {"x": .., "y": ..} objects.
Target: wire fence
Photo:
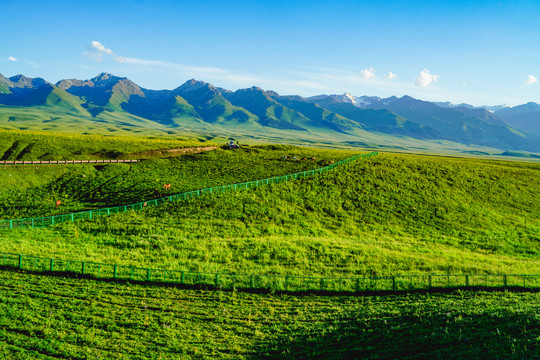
[
  {"x": 63, "y": 162},
  {"x": 269, "y": 282},
  {"x": 86, "y": 215}
]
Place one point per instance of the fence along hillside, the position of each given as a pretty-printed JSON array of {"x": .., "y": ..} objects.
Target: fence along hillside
[
  {"x": 218, "y": 280},
  {"x": 56, "y": 219}
]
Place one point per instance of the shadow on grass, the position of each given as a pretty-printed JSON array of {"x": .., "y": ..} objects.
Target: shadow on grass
[{"x": 415, "y": 334}]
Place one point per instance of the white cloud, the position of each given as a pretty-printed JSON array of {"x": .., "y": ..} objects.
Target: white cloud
[
  {"x": 11, "y": 58},
  {"x": 99, "y": 47},
  {"x": 531, "y": 79},
  {"x": 425, "y": 78},
  {"x": 96, "y": 50},
  {"x": 368, "y": 74},
  {"x": 390, "y": 75}
]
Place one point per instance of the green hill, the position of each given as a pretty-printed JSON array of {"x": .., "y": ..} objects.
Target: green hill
[
  {"x": 54, "y": 99},
  {"x": 104, "y": 92},
  {"x": 318, "y": 117},
  {"x": 391, "y": 214},
  {"x": 212, "y": 106},
  {"x": 270, "y": 112},
  {"x": 394, "y": 214}
]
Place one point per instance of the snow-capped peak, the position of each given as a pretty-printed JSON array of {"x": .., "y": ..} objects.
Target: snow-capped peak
[{"x": 351, "y": 98}]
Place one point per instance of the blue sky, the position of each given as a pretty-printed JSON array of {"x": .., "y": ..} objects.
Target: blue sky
[{"x": 479, "y": 52}]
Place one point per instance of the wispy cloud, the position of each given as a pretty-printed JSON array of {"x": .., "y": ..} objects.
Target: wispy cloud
[
  {"x": 390, "y": 75},
  {"x": 531, "y": 79},
  {"x": 96, "y": 51},
  {"x": 425, "y": 78},
  {"x": 13, "y": 59},
  {"x": 368, "y": 74},
  {"x": 305, "y": 82}
]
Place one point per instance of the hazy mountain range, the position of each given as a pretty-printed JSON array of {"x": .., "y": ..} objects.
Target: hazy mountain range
[{"x": 107, "y": 100}]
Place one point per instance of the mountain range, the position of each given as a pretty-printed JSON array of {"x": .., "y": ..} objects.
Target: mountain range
[{"x": 111, "y": 102}]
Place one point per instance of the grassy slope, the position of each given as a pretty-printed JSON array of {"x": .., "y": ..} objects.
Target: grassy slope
[
  {"x": 47, "y": 317},
  {"x": 83, "y": 187},
  {"x": 392, "y": 214},
  {"x": 42, "y": 145}
]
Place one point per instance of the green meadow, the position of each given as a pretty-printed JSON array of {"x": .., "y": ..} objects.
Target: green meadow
[
  {"x": 391, "y": 214},
  {"x": 387, "y": 215}
]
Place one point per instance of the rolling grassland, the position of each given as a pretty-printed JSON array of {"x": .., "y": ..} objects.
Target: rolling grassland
[{"x": 387, "y": 215}]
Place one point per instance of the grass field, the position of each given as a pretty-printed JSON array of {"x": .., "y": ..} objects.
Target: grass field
[
  {"x": 392, "y": 214},
  {"x": 48, "y": 317}
]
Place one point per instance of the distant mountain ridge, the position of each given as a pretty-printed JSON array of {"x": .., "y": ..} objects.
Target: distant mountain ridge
[
  {"x": 197, "y": 104},
  {"x": 526, "y": 117}
]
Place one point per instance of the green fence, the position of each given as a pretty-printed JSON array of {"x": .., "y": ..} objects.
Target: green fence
[
  {"x": 56, "y": 219},
  {"x": 269, "y": 282}
]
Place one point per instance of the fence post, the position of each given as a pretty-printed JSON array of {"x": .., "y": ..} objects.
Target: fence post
[
  {"x": 52, "y": 265},
  {"x": 20, "y": 261},
  {"x": 131, "y": 274},
  {"x": 467, "y": 280},
  {"x": 182, "y": 278},
  {"x": 393, "y": 283},
  {"x": 505, "y": 280},
  {"x": 217, "y": 279},
  {"x": 115, "y": 271},
  {"x": 83, "y": 267},
  {"x": 429, "y": 281},
  {"x": 11, "y": 224},
  {"x": 322, "y": 284},
  {"x": 148, "y": 274},
  {"x": 251, "y": 282}
]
